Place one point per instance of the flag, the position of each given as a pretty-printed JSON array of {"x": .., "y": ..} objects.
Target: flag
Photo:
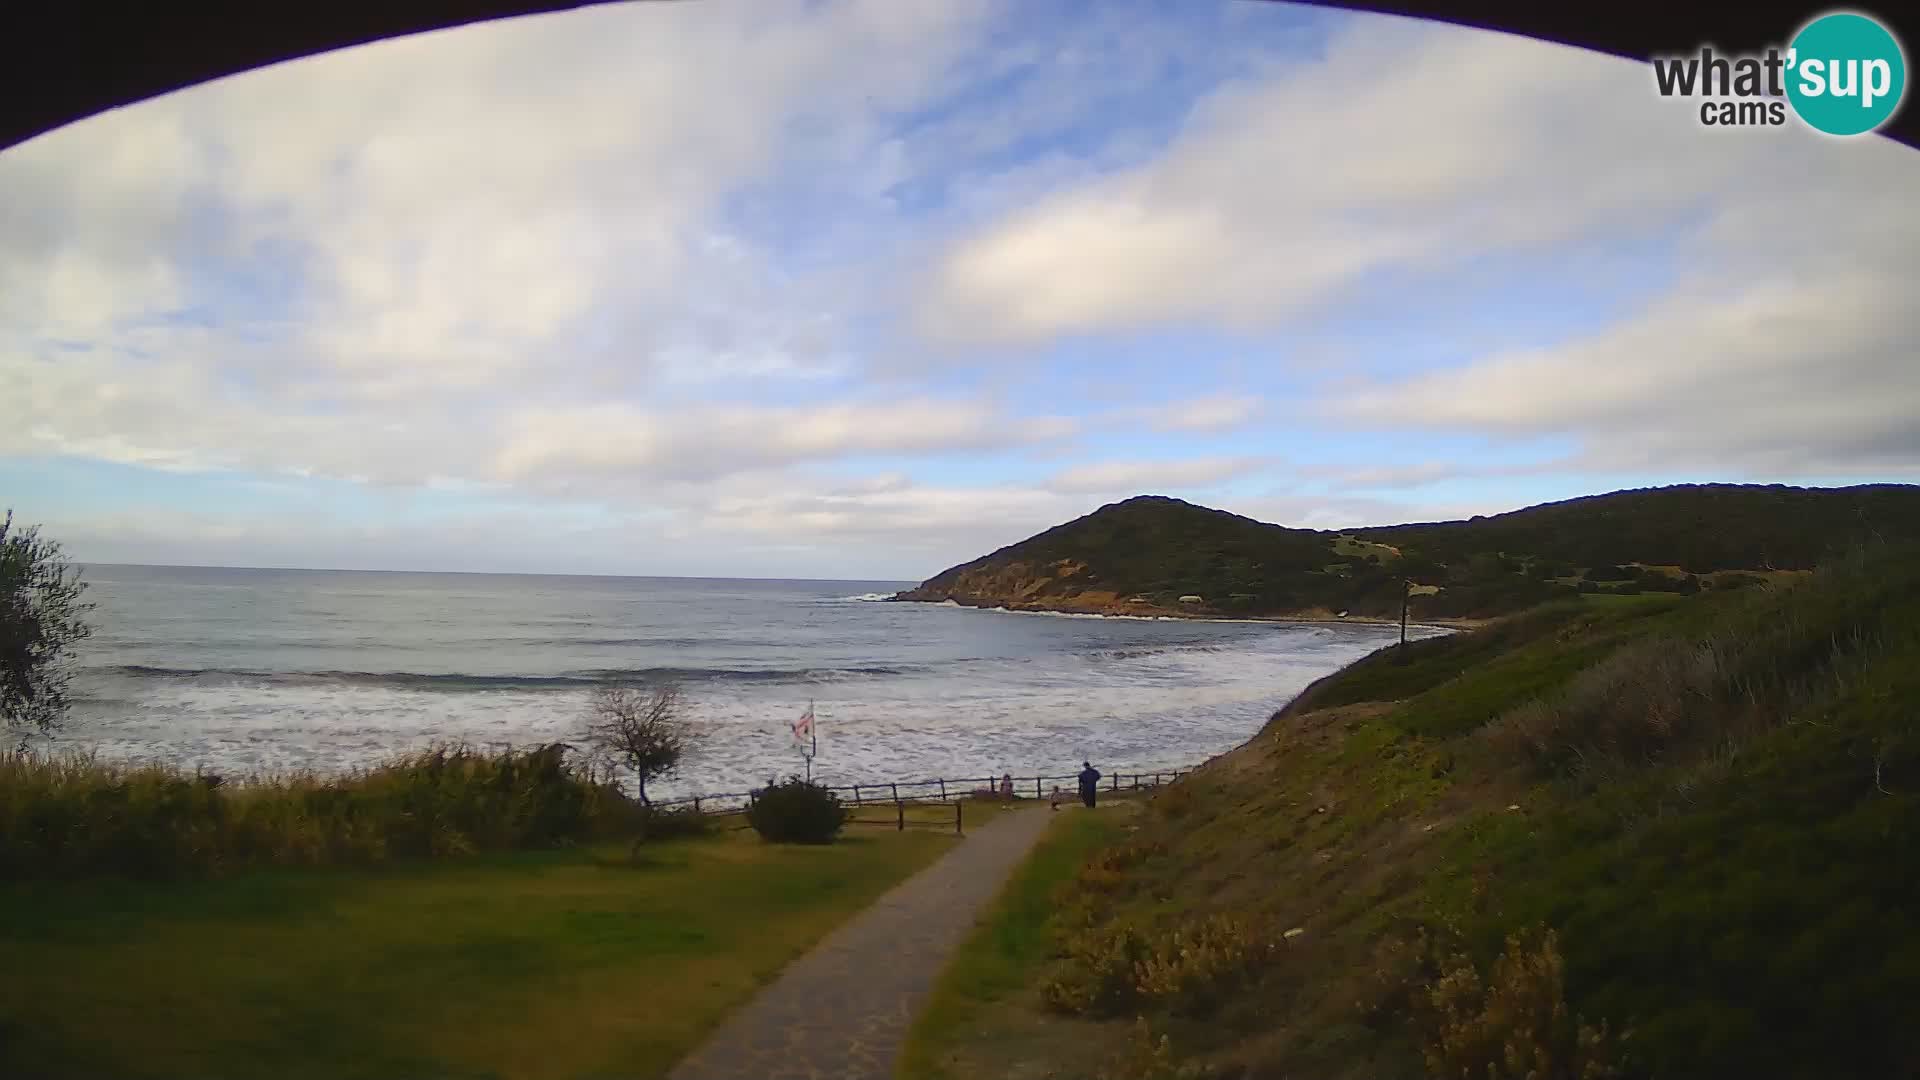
[{"x": 803, "y": 727}]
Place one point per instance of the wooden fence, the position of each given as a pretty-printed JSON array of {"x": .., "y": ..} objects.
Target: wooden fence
[{"x": 895, "y": 798}]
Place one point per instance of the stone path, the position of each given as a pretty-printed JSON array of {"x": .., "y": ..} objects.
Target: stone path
[{"x": 841, "y": 1011}]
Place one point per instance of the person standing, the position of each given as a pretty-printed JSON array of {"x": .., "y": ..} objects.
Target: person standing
[{"x": 1089, "y": 783}]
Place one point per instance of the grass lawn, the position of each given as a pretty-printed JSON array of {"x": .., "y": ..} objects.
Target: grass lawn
[
  {"x": 998, "y": 960},
  {"x": 550, "y": 964}
]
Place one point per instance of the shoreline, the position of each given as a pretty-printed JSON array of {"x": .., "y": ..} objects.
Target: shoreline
[{"x": 1312, "y": 616}]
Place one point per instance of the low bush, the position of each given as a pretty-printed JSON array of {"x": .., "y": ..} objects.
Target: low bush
[
  {"x": 1199, "y": 965},
  {"x": 77, "y": 815},
  {"x": 1759, "y": 659},
  {"x": 797, "y": 812},
  {"x": 670, "y": 822},
  {"x": 1513, "y": 1025},
  {"x": 1188, "y": 969},
  {"x": 1096, "y": 977}
]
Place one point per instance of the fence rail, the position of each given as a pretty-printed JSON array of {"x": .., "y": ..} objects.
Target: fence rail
[{"x": 897, "y": 796}]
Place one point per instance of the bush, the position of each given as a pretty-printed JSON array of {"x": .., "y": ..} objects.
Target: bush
[
  {"x": 1097, "y": 978},
  {"x": 797, "y": 812},
  {"x": 1759, "y": 659},
  {"x": 669, "y": 822},
  {"x": 1188, "y": 969},
  {"x": 75, "y": 815},
  {"x": 42, "y": 619},
  {"x": 1514, "y": 1025},
  {"x": 1201, "y": 964}
]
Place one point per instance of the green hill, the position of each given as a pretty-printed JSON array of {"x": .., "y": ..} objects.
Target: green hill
[
  {"x": 1153, "y": 554},
  {"x": 1655, "y": 836}
]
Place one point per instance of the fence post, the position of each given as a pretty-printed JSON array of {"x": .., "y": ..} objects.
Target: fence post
[
  {"x": 1036, "y": 787},
  {"x": 856, "y": 794},
  {"x": 696, "y": 804},
  {"x": 943, "y": 791},
  {"x": 896, "y": 791},
  {"x": 958, "y": 806},
  {"x": 1116, "y": 781},
  {"x": 901, "y": 809}
]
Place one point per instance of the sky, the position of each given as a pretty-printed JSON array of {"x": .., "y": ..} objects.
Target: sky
[{"x": 865, "y": 288}]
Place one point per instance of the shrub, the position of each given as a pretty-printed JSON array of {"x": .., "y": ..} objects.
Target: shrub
[
  {"x": 42, "y": 619},
  {"x": 797, "y": 812},
  {"x": 1514, "y": 1025},
  {"x": 1760, "y": 659},
  {"x": 1189, "y": 969},
  {"x": 1097, "y": 976},
  {"x": 76, "y": 815},
  {"x": 1200, "y": 964},
  {"x": 668, "y": 822},
  {"x": 1146, "y": 1057}
]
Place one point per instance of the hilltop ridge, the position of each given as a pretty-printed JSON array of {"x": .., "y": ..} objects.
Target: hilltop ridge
[{"x": 1154, "y": 554}]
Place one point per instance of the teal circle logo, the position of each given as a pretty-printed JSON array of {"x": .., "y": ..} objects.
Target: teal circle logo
[{"x": 1846, "y": 74}]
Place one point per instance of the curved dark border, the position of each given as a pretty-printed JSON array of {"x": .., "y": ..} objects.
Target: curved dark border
[{"x": 61, "y": 62}]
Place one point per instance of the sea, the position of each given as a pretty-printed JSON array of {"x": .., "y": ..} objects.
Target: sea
[{"x": 250, "y": 671}]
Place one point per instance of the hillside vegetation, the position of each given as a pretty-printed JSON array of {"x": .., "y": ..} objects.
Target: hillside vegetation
[
  {"x": 1157, "y": 555},
  {"x": 1659, "y": 836}
]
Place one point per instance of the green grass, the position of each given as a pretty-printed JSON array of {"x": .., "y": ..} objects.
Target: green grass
[
  {"x": 998, "y": 959},
  {"x": 552, "y": 964},
  {"x": 1710, "y": 798}
]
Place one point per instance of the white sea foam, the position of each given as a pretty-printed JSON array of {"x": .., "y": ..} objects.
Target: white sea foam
[{"x": 259, "y": 670}]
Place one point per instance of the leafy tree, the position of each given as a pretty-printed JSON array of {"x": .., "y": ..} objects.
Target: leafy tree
[
  {"x": 644, "y": 731},
  {"x": 42, "y": 618}
]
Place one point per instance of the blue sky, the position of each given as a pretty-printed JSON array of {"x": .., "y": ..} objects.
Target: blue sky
[{"x": 863, "y": 288}]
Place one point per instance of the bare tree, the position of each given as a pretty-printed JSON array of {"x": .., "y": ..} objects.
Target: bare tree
[{"x": 644, "y": 730}]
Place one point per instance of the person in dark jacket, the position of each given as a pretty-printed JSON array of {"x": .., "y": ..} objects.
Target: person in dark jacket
[{"x": 1089, "y": 782}]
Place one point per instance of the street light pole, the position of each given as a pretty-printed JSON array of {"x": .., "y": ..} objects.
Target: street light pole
[{"x": 1406, "y": 590}]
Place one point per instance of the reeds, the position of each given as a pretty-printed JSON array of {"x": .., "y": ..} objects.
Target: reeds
[{"x": 65, "y": 815}]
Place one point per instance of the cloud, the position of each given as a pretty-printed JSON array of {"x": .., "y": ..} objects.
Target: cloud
[
  {"x": 1773, "y": 335},
  {"x": 471, "y": 207},
  {"x": 1407, "y": 147},
  {"x": 1214, "y": 413},
  {"x": 1785, "y": 348},
  {"x": 673, "y": 274},
  {"x": 713, "y": 441},
  {"x": 1138, "y": 477}
]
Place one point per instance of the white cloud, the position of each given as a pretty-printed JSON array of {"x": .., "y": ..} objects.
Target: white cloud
[
  {"x": 653, "y": 258},
  {"x": 1783, "y": 346},
  {"x": 1148, "y": 477},
  {"x": 713, "y": 441},
  {"x": 459, "y": 207},
  {"x": 1213, "y": 413},
  {"x": 1408, "y": 146}
]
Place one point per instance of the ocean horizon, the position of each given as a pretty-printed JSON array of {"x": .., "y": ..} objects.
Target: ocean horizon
[{"x": 261, "y": 670}]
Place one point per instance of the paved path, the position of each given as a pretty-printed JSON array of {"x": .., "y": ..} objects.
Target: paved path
[{"x": 841, "y": 1011}]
